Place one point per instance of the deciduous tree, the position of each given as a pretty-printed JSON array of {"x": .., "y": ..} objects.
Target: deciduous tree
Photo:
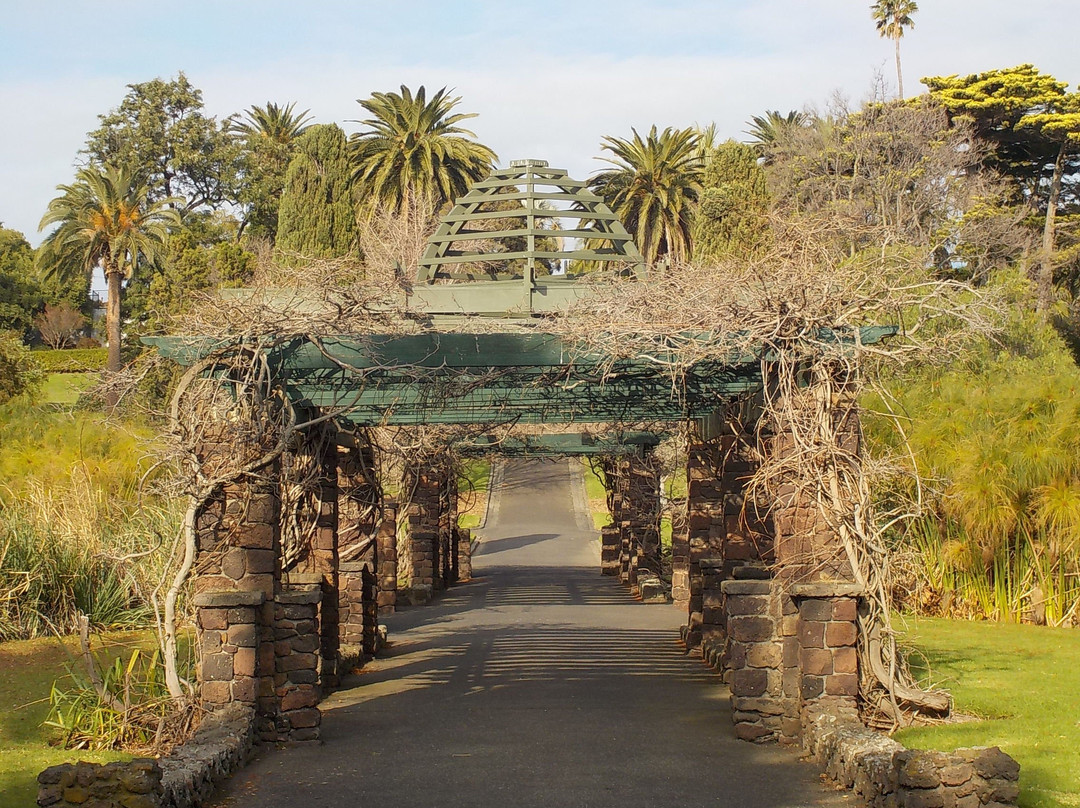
[{"x": 58, "y": 324}]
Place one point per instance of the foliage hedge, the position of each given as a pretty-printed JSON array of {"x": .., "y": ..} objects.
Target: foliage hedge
[{"x": 72, "y": 360}]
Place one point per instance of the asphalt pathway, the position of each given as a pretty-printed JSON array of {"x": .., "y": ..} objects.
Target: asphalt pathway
[{"x": 540, "y": 683}]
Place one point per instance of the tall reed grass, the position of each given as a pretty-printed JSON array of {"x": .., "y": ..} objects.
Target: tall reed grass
[
  {"x": 999, "y": 444},
  {"x": 76, "y": 536}
]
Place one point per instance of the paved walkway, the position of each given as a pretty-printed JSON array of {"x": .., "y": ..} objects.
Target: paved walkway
[{"x": 540, "y": 683}]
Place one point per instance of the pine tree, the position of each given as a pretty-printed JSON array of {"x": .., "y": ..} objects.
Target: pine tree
[{"x": 317, "y": 218}]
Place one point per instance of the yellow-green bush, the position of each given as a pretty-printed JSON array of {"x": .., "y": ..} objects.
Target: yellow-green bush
[
  {"x": 999, "y": 442},
  {"x": 72, "y": 360}
]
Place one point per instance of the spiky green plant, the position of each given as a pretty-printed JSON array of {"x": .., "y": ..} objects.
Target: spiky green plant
[
  {"x": 653, "y": 188},
  {"x": 414, "y": 149}
]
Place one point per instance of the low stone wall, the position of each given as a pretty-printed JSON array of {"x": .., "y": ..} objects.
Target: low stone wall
[
  {"x": 886, "y": 775},
  {"x": 184, "y": 779}
]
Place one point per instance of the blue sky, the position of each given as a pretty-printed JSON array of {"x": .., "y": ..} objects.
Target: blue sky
[{"x": 548, "y": 80}]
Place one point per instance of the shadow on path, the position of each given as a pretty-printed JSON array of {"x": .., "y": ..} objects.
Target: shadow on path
[{"x": 534, "y": 685}]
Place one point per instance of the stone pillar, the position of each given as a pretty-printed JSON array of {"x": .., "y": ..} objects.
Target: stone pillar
[
  {"x": 704, "y": 526},
  {"x": 238, "y": 577},
  {"x": 228, "y": 628},
  {"x": 643, "y": 506},
  {"x": 754, "y": 658},
  {"x": 324, "y": 555},
  {"x": 807, "y": 550},
  {"x": 387, "y": 555},
  {"x": 827, "y": 637},
  {"x": 713, "y": 608},
  {"x": 424, "y": 483},
  {"x": 351, "y": 602},
  {"x": 610, "y": 548},
  {"x": 297, "y": 645},
  {"x": 464, "y": 554},
  {"x": 680, "y": 559},
  {"x": 448, "y": 549}
]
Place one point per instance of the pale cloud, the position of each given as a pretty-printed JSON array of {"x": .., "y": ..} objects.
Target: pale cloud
[{"x": 545, "y": 85}]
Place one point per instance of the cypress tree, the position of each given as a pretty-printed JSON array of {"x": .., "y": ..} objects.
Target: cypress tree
[
  {"x": 731, "y": 216},
  {"x": 317, "y": 218}
]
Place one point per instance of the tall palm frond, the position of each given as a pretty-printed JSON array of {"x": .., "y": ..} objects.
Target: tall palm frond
[
  {"x": 414, "y": 149},
  {"x": 766, "y": 130},
  {"x": 891, "y": 17},
  {"x": 106, "y": 219},
  {"x": 276, "y": 123},
  {"x": 653, "y": 188}
]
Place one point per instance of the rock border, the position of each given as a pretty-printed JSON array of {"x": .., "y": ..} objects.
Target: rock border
[
  {"x": 885, "y": 774},
  {"x": 184, "y": 779}
]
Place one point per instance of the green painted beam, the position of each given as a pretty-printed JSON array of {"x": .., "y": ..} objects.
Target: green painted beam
[
  {"x": 561, "y": 444},
  {"x": 478, "y": 235}
]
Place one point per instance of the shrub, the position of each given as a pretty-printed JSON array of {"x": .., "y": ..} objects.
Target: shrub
[
  {"x": 20, "y": 374},
  {"x": 73, "y": 360}
]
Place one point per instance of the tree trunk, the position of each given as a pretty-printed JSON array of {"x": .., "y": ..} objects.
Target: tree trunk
[
  {"x": 1045, "y": 283},
  {"x": 112, "y": 325},
  {"x": 899, "y": 75}
]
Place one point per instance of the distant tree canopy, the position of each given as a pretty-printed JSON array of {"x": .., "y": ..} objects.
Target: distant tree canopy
[
  {"x": 733, "y": 204},
  {"x": 21, "y": 298},
  {"x": 267, "y": 137},
  {"x": 317, "y": 217},
  {"x": 1031, "y": 124},
  {"x": 160, "y": 133}
]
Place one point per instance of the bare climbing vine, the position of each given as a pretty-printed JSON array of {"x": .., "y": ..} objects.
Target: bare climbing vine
[{"x": 796, "y": 311}]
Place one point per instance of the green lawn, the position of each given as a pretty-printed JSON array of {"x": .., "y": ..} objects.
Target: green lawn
[
  {"x": 27, "y": 671},
  {"x": 597, "y": 496},
  {"x": 1024, "y": 684},
  {"x": 64, "y": 388},
  {"x": 473, "y": 484}
]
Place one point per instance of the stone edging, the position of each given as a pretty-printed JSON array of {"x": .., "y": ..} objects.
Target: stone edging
[
  {"x": 884, "y": 774},
  {"x": 184, "y": 779}
]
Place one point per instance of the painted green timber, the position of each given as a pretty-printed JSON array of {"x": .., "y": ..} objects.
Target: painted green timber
[
  {"x": 524, "y": 182},
  {"x": 561, "y": 444},
  {"x": 456, "y": 378}
]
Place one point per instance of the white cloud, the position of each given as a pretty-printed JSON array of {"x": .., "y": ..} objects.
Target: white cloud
[{"x": 549, "y": 86}]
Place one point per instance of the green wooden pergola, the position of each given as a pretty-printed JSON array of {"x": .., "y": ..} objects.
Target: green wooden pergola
[{"x": 521, "y": 375}]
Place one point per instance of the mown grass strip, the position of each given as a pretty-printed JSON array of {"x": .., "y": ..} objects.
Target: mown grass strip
[{"x": 1024, "y": 684}]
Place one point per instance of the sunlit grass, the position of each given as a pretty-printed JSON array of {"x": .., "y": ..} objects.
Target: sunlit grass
[
  {"x": 64, "y": 388},
  {"x": 1024, "y": 684},
  {"x": 27, "y": 671},
  {"x": 474, "y": 479}
]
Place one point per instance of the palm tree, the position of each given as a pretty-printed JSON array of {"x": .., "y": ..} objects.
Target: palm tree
[
  {"x": 268, "y": 136},
  {"x": 768, "y": 129},
  {"x": 891, "y": 18},
  {"x": 106, "y": 220},
  {"x": 278, "y": 124},
  {"x": 415, "y": 150},
  {"x": 653, "y": 189}
]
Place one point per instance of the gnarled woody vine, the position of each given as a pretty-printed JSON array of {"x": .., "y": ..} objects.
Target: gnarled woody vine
[{"x": 798, "y": 308}]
